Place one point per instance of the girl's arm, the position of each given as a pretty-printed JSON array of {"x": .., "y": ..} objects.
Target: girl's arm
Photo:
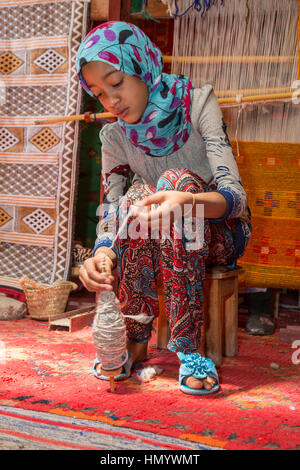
[
  {"x": 115, "y": 175},
  {"x": 115, "y": 172},
  {"x": 215, "y": 204},
  {"x": 212, "y": 129}
]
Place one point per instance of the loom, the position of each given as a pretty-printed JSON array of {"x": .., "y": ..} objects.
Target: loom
[{"x": 249, "y": 51}]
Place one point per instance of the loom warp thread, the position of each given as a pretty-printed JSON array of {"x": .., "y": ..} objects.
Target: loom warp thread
[
  {"x": 251, "y": 47},
  {"x": 199, "y": 6}
]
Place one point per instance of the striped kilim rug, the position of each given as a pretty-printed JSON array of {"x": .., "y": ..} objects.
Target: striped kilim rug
[
  {"x": 38, "y": 163},
  {"x": 32, "y": 430}
]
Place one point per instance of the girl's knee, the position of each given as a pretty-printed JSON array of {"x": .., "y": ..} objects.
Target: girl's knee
[
  {"x": 180, "y": 179},
  {"x": 169, "y": 178},
  {"x": 138, "y": 191}
]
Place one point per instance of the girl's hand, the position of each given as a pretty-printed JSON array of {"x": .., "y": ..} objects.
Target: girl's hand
[
  {"x": 96, "y": 273},
  {"x": 170, "y": 209}
]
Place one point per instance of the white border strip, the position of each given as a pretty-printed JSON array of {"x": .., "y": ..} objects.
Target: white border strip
[
  {"x": 39, "y": 79},
  {"x": 27, "y": 239},
  {"x": 28, "y": 201},
  {"x": 34, "y": 43},
  {"x": 29, "y": 158}
]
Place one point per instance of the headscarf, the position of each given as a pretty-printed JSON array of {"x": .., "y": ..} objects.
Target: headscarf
[{"x": 166, "y": 123}]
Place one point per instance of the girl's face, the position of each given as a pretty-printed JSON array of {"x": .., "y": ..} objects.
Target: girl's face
[{"x": 123, "y": 95}]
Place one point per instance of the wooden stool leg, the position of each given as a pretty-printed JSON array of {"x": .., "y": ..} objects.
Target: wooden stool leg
[
  {"x": 231, "y": 321},
  {"x": 163, "y": 330},
  {"x": 214, "y": 327},
  {"x": 275, "y": 302}
]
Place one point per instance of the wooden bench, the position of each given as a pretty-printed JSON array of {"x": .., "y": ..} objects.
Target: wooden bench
[{"x": 220, "y": 322}]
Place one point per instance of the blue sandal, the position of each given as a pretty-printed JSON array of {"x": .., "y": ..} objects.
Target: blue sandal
[
  {"x": 122, "y": 376},
  {"x": 193, "y": 364}
]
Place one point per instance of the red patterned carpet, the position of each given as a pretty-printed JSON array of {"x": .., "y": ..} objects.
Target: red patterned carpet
[{"x": 257, "y": 407}]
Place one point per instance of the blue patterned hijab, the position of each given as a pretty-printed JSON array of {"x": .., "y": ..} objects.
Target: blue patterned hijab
[{"x": 165, "y": 125}]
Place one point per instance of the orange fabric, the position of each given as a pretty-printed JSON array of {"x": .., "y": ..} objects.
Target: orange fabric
[{"x": 270, "y": 173}]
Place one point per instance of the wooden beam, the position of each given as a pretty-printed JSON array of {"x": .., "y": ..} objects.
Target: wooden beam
[
  {"x": 114, "y": 10},
  {"x": 104, "y": 10},
  {"x": 169, "y": 59},
  {"x": 125, "y": 10},
  {"x": 72, "y": 321},
  {"x": 72, "y": 313},
  {"x": 99, "y": 10}
]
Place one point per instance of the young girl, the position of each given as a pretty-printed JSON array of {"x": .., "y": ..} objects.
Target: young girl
[{"x": 173, "y": 138}]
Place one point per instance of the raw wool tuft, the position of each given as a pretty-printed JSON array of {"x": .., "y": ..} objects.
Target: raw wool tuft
[{"x": 149, "y": 373}]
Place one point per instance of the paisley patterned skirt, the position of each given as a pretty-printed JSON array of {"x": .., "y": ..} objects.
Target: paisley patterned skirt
[{"x": 141, "y": 260}]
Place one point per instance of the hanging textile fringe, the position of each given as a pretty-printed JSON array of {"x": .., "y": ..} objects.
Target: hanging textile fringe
[
  {"x": 201, "y": 6},
  {"x": 247, "y": 49}
]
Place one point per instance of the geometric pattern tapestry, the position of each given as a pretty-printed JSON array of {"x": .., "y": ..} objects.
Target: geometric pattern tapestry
[
  {"x": 270, "y": 173},
  {"x": 38, "y": 162}
]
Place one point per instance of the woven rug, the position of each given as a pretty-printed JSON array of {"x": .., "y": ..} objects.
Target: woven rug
[
  {"x": 257, "y": 407},
  {"x": 34, "y": 430},
  {"x": 270, "y": 174},
  {"x": 38, "y": 163}
]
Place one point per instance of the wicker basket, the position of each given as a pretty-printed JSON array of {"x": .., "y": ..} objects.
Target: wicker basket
[{"x": 46, "y": 302}]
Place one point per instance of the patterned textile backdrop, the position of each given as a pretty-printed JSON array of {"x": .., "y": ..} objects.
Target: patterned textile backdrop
[
  {"x": 270, "y": 173},
  {"x": 38, "y": 163}
]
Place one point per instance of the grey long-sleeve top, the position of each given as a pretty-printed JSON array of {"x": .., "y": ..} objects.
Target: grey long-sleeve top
[{"x": 207, "y": 152}]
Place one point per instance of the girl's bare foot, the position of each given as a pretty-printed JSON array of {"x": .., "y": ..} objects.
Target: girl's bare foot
[{"x": 208, "y": 383}]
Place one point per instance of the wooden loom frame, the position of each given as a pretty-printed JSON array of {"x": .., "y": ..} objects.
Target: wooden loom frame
[{"x": 114, "y": 10}]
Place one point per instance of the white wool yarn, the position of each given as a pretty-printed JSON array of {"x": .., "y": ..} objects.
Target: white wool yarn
[{"x": 148, "y": 373}]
